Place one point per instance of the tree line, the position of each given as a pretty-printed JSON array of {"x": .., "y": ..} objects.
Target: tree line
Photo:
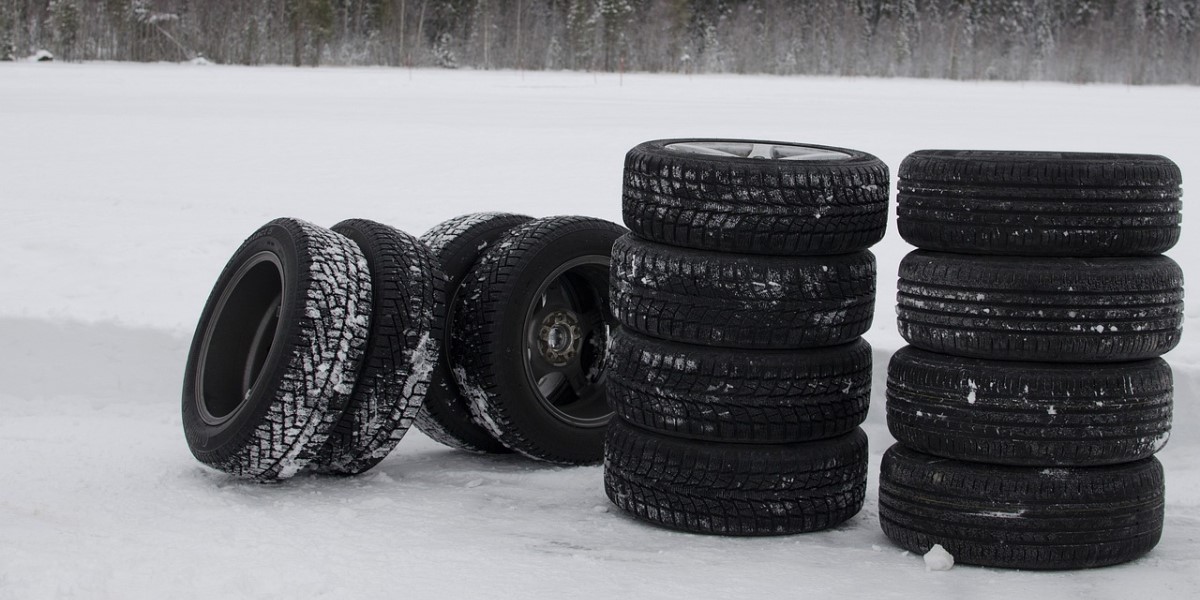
[{"x": 1123, "y": 41}]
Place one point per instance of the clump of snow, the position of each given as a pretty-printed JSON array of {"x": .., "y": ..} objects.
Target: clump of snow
[
  {"x": 199, "y": 61},
  {"x": 422, "y": 360},
  {"x": 971, "y": 389},
  {"x": 41, "y": 56},
  {"x": 938, "y": 559}
]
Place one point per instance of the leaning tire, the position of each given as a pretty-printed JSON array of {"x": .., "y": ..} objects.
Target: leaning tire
[
  {"x": 747, "y": 396},
  {"x": 748, "y": 196},
  {"x": 276, "y": 351},
  {"x": 530, "y": 338},
  {"x": 458, "y": 243},
  {"x": 402, "y": 349},
  {"x": 1041, "y": 309},
  {"x": 1032, "y": 414},
  {"x": 739, "y": 300},
  {"x": 1039, "y": 203},
  {"x": 1021, "y": 517},
  {"x": 735, "y": 489}
]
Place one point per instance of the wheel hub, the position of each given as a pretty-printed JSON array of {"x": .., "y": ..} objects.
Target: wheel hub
[{"x": 560, "y": 337}]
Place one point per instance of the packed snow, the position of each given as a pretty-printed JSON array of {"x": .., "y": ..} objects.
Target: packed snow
[
  {"x": 938, "y": 559},
  {"x": 125, "y": 188}
]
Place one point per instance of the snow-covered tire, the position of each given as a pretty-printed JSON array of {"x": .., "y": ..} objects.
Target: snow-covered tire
[
  {"x": 1041, "y": 309},
  {"x": 1039, "y": 203},
  {"x": 741, "y": 300},
  {"x": 746, "y": 396},
  {"x": 277, "y": 350},
  {"x": 530, "y": 337},
  {"x": 735, "y": 489},
  {"x": 1021, "y": 517},
  {"x": 458, "y": 243},
  {"x": 709, "y": 194},
  {"x": 408, "y": 291},
  {"x": 1033, "y": 414}
]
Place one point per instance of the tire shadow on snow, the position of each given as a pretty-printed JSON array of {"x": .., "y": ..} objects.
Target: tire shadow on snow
[{"x": 43, "y": 359}]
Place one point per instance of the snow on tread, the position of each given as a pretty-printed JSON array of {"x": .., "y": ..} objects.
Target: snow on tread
[
  {"x": 457, "y": 243},
  {"x": 735, "y": 489},
  {"x": 299, "y": 403},
  {"x": 755, "y": 206},
  {"x": 747, "y": 396},
  {"x": 739, "y": 300},
  {"x": 1021, "y": 517},
  {"x": 406, "y": 333},
  {"x": 1039, "y": 203},
  {"x": 1041, "y": 309},
  {"x": 1035, "y": 414}
]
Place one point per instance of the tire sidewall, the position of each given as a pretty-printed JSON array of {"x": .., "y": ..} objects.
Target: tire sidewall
[{"x": 214, "y": 443}]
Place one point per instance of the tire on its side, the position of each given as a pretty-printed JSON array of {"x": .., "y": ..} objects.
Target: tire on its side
[
  {"x": 1021, "y": 517},
  {"x": 746, "y": 396},
  {"x": 735, "y": 489},
  {"x": 1073, "y": 310},
  {"x": 1039, "y": 203},
  {"x": 741, "y": 300},
  {"x": 458, "y": 243},
  {"x": 726, "y": 195},
  {"x": 402, "y": 350},
  {"x": 277, "y": 350},
  {"x": 537, "y": 298},
  {"x": 1034, "y": 414}
]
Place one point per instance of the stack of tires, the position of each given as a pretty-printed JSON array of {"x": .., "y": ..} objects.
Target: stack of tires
[
  {"x": 1031, "y": 400},
  {"x": 737, "y": 374}
]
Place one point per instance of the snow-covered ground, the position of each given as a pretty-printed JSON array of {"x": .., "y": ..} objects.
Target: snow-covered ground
[{"x": 125, "y": 188}]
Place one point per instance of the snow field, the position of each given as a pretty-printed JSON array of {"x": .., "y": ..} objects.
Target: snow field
[{"x": 125, "y": 188}]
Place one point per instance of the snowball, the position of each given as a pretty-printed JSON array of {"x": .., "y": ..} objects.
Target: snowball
[{"x": 937, "y": 559}]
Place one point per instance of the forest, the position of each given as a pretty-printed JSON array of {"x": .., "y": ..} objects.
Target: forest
[{"x": 1117, "y": 41}]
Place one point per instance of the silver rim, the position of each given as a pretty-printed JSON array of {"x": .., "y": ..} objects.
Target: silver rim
[{"x": 759, "y": 150}]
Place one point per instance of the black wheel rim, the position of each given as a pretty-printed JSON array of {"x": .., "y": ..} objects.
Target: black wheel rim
[
  {"x": 241, "y": 339},
  {"x": 566, "y": 336}
]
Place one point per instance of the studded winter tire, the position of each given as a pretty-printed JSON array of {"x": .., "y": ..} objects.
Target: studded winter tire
[
  {"x": 530, "y": 336},
  {"x": 276, "y": 351},
  {"x": 740, "y": 300},
  {"x": 1021, "y": 517},
  {"x": 747, "y": 396},
  {"x": 1034, "y": 414},
  {"x": 458, "y": 243},
  {"x": 735, "y": 489},
  {"x": 1039, "y": 203},
  {"x": 755, "y": 197},
  {"x": 1041, "y": 309},
  {"x": 408, "y": 297}
]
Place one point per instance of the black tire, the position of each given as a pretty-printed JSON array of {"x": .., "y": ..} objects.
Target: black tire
[
  {"x": 1031, "y": 414},
  {"x": 277, "y": 350},
  {"x": 530, "y": 338},
  {"x": 1041, "y": 309},
  {"x": 735, "y": 489},
  {"x": 408, "y": 293},
  {"x": 731, "y": 203},
  {"x": 458, "y": 243},
  {"x": 1039, "y": 203},
  {"x": 1021, "y": 517},
  {"x": 741, "y": 300},
  {"x": 745, "y": 396}
]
